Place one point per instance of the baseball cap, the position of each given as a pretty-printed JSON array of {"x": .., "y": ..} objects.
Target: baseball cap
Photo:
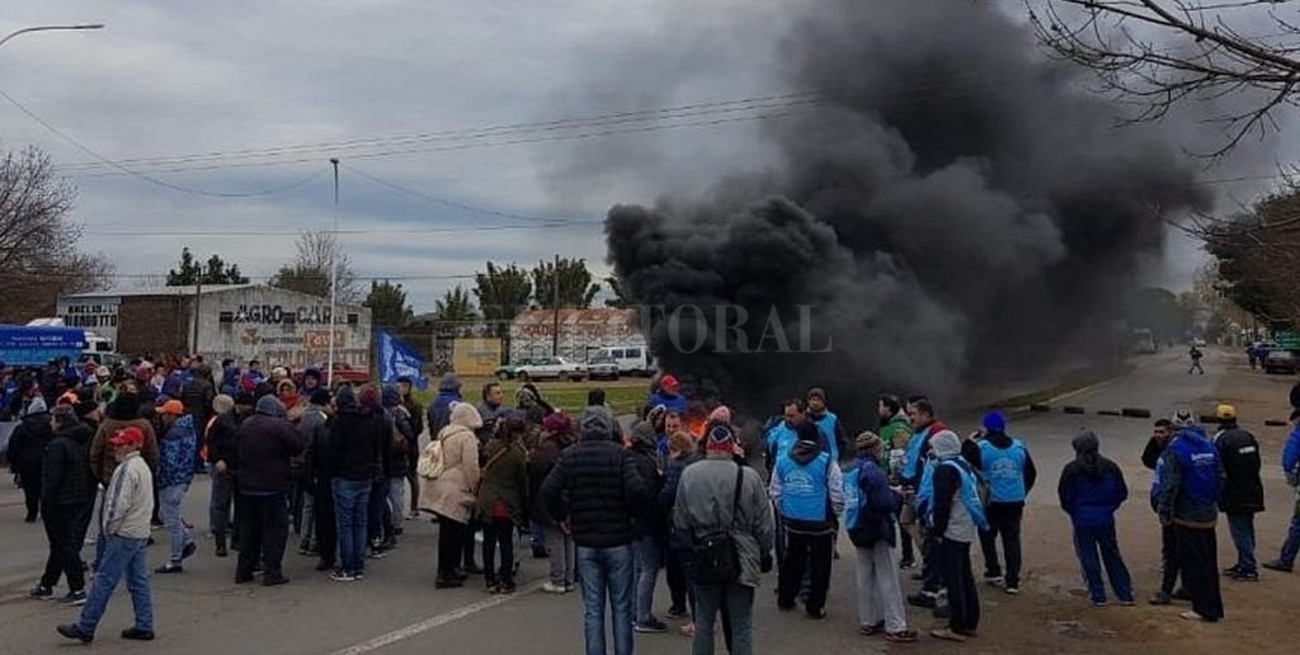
[
  {"x": 668, "y": 383},
  {"x": 172, "y": 407},
  {"x": 1225, "y": 412},
  {"x": 130, "y": 436}
]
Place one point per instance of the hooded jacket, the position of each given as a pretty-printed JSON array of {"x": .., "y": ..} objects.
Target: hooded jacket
[
  {"x": 197, "y": 396},
  {"x": 505, "y": 481},
  {"x": 704, "y": 506},
  {"x": 178, "y": 453},
  {"x": 1091, "y": 488},
  {"x": 650, "y": 521},
  {"x": 440, "y": 409},
  {"x": 596, "y": 487},
  {"x": 1189, "y": 479},
  {"x": 28, "y": 442},
  {"x": 66, "y": 480},
  {"x": 808, "y": 489},
  {"x": 122, "y": 413},
  {"x": 1243, "y": 490},
  {"x": 452, "y": 495},
  {"x": 313, "y": 426},
  {"x": 266, "y": 443},
  {"x": 540, "y": 462},
  {"x": 355, "y": 448}
]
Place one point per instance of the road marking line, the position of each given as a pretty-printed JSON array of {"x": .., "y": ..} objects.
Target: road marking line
[{"x": 432, "y": 622}]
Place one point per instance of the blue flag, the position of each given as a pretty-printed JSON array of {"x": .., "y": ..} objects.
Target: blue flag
[{"x": 397, "y": 360}]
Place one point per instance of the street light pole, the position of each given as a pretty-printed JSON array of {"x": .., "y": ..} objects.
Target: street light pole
[
  {"x": 334, "y": 276},
  {"x": 47, "y": 28}
]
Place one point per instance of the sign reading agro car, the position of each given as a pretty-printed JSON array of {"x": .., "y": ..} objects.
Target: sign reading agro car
[{"x": 277, "y": 314}]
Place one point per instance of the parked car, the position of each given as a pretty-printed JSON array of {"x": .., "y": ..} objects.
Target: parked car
[
  {"x": 632, "y": 360},
  {"x": 508, "y": 371},
  {"x": 602, "y": 368},
  {"x": 557, "y": 368},
  {"x": 342, "y": 373},
  {"x": 1281, "y": 361}
]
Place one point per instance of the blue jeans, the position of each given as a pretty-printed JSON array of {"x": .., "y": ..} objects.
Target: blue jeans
[
  {"x": 602, "y": 570},
  {"x": 121, "y": 557},
  {"x": 648, "y": 560},
  {"x": 1292, "y": 544},
  {"x": 739, "y": 605},
  {"x": 1242, "y": 529},
  {"x": 1088, "y": 542},
  {"x": 351, "y": 506},
  {"x": 170, "y": 499}
]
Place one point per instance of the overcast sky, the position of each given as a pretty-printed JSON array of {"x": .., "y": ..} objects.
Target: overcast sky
[{"x": 191, "y": 77}]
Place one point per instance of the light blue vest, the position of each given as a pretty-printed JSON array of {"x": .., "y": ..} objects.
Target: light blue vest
[
  {"x": 914, "y": 453},
  {"x": 968, "y": 494},
  {"x": 1004, "y": 468},
  {"x": 780, "y": 439},
  {"x": 925, "y": 490},
  {"x": 826, "y": 426},
  {"x": 804, "y": 489}
]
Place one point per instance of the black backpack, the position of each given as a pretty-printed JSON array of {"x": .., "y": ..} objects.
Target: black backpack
[{"x": 715, "y": 559}]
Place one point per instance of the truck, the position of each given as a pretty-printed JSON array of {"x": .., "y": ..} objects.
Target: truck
[{"x": 24, "y": 346}]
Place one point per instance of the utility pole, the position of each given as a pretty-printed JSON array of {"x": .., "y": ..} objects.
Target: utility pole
[
  {"x": 555, "y": 295},
  {"x": 334, "y": 277},
  {"x": 198, "y": 301}
]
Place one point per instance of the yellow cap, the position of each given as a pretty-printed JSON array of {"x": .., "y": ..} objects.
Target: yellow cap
[{"x": 1226, "y": 412}]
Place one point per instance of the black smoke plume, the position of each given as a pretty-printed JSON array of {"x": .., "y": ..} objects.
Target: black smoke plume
[{"x": 955, "y": 207}]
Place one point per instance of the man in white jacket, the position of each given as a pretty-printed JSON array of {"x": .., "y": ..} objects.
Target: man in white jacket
[{"x": 128, "y": 504}]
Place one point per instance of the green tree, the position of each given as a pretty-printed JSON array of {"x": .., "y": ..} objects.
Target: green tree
[
  {"x": 215, "y": 271},
  {"x": 387, "y": 303},
  {"x": 1255, "y": 252},
  {"x": 576, "y": 289},
  {"x": 455, "y": 306},
  {"x": 502, "y": 292},
  {"x": 620, "y": 299}
]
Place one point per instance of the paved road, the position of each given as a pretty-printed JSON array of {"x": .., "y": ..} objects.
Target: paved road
[{"x": 396, "y": 610}]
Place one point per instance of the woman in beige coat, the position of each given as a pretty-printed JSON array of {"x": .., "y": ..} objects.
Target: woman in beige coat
[{"x": 452, "y": 495}]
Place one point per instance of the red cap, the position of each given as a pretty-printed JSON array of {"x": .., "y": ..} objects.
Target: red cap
[
  {"x": 131, "y": 436},
  {"x": 668, "y": 383}
]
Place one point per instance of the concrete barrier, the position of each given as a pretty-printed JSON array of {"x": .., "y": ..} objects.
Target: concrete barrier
[
  {"x": 1273, "y": 423},
  {"x": 1134, "y": 412},
  {"x": 1074, "y": 409},
  {"x": 1040, "y": 408},
  {"x": 1108, "y": 412}
]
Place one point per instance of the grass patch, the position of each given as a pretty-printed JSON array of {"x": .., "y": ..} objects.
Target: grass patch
[
  {"x": 624, "y": 396},
  {"x": 1084, "y": 379}
]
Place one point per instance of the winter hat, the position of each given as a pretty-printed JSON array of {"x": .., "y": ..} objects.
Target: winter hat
[
  {"x": 37, "y": 406},
  {"x": 557, "y": 422},
  {"x": 720, "y": 413},
  {"x": 84, "y": 408},
  {"x": 818, "y": 393},
  {"x": 668, "y": 384},
  {"x": 311, "y": 373},
  {"x": 223, "y": 403},
  {"x": 449, "y": 382},
  {"x": 945, "y": 444},
  {"x": 1183, "y": 419},
  {"x": 320, "y": 397},
  {"x": 870, "y": 443},
  {"x": 346, "y": 398},
  {"x": 643, "y": 434},
  {"x": 390, "y": 396},
  {"x": 995, "y": 422},
  {"x": 808, "y": 432},
  {"x": 64, "y": 414},
  {"x": 721, "y": 439},
  {"x": 656, "y": 414},
  {"x": 271, "y": 406},
  {"x": 465, "y": 415}
]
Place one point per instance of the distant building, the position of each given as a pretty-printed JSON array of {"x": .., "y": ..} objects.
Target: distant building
[
  {"x": 238, "y": 321},
  {"x": 581, "y": 331}
]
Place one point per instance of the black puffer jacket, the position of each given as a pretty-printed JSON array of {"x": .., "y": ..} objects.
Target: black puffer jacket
[
  {"x": 66, "y": 478},
  {"x": 27, "y": 446},
  {"x": 1243, "y": 491},
  {"x": 357, "y": 439},
  {"x": 595, "y": 486},
  {"x": 266, "y": 443}
]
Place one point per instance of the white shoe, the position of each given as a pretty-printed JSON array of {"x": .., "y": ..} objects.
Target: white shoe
[{"x": 552, "y": 588}]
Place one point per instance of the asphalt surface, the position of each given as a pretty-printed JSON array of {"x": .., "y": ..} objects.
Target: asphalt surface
[{"x": 397, "y": 611}]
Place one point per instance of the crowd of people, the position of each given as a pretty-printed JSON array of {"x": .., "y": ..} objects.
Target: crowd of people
[{"x": 611, "y": 510}]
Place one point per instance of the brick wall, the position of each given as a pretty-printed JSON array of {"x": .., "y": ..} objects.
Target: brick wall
[{"x": 153, "y": 324}]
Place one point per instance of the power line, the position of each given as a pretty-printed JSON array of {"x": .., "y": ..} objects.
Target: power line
[
  {"x": 449, "y": 203},
  {"x": 555, "y": 223},
  {"x": 153, "y": 180}
]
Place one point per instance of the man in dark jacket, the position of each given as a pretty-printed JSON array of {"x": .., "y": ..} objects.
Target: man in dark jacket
[
  {"x": 264, "y": 445},
  {"x": 1243, "y": 491},
  {"x": 222, "y": 446},
  {"x": 197, "y": 397},
  {"x": 596, "y": 491},
  {"x": 68, "y": 491},
  {"x": 313, "y": 424},
  {"x": 1161, "y": 435},
  {"x": 27, "y": 453},
  {"x": 808, "y": 491},
  {"x": 1010, "y": 471},
  {"x": 1091, "y": 490},
  {"x": 440, "y": 410},
  {"x": 352, "y": 458},
  {"x": 651, "y": 528},
  {"x": 1189, "y": 481}
]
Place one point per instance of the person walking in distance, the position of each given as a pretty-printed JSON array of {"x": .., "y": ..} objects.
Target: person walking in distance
[
  {"x": 956, "y": 516},
  {"x": 1188, "y": 499},
  {"x": 67, "y": 494},
  {"x": 1243, "y": 491},
  {"x": 1291, "y": 469},
  {"x": 177, "y": 455},
  {"x": 1091, "y": 490},
  {"x": 721, "y": 502},
  {"x": 1161, "y": 435},
  {"x": 128, "y": 503},
  {"x": 451, "y": 496},
  {"x": 1010, "y": 472},
  {"x": 265, "y": 444},
  {"x": 808, "y": 490},
  {"x": 596, "y": 491},
  {"x": 1196, "y": 355},
  {"x": 870, "y": 523}
]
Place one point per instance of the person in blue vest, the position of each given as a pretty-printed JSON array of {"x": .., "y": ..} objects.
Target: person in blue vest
[
  {"x": 832, "y": 430},
  {"x": 1091, "y": 490},
  {"x": 1190, "y": 480},
  {"x": 781, "y": 437},
  {"x": 916, "y": 477},
  {"x": 956, "y": 516},
  {"x": 1011, "y": 475},
  {"x": 808, "y": 490}
]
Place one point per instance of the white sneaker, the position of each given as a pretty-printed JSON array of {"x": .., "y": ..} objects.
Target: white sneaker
[{"x": 552, "y": 588}]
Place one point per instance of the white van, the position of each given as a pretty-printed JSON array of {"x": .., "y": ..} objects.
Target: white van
[{"x": 632, "y": 360}]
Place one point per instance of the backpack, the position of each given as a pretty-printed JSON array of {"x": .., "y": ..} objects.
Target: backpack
[
  {"x": 431, "y": 464},
  {"x": 399, "y": 444},
  {"x": 715, "y": 558}
]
